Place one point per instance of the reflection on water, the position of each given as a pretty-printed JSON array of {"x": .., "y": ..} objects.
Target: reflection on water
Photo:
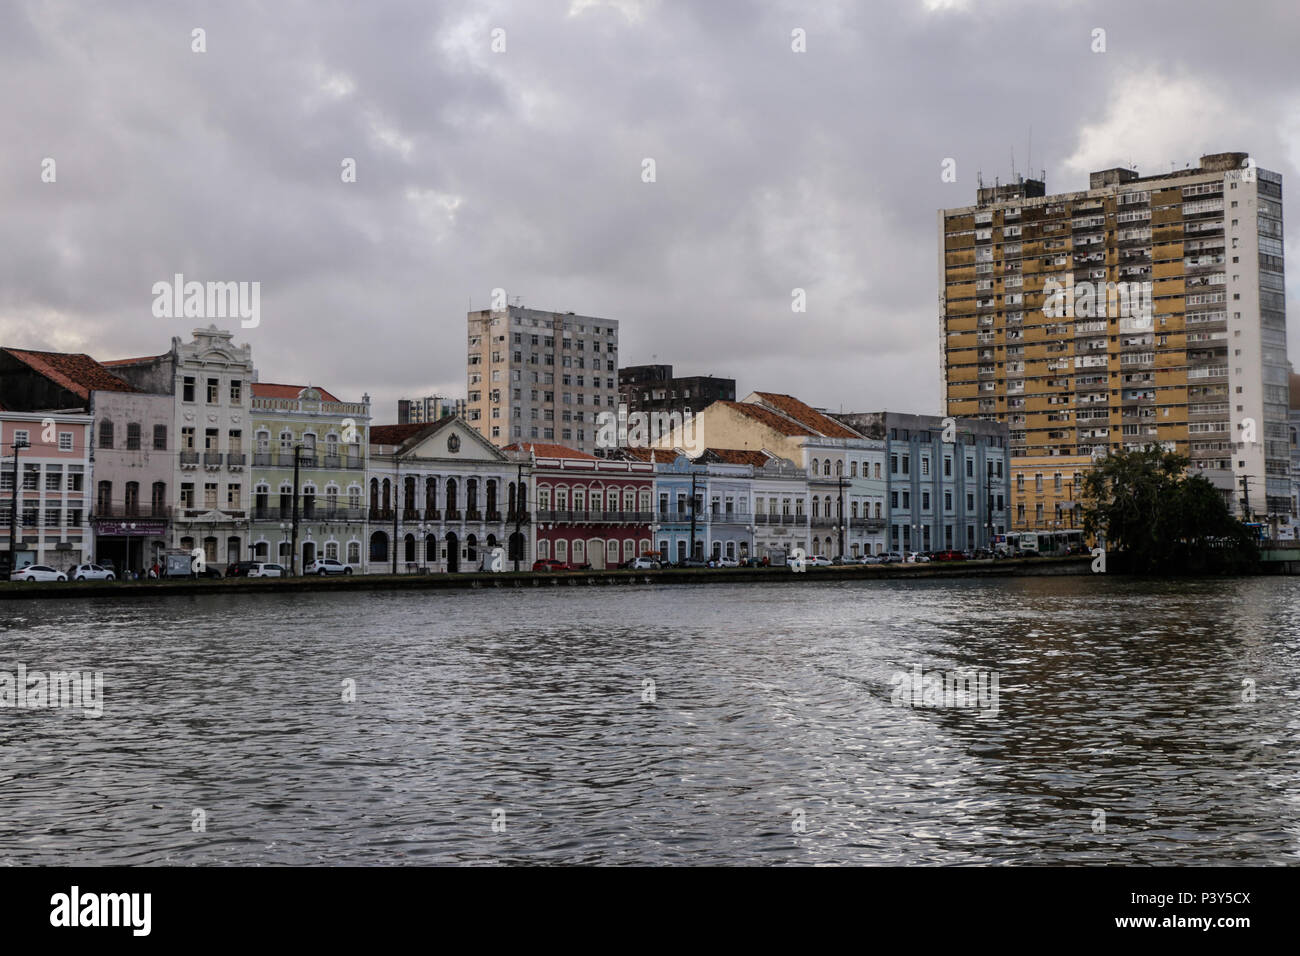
[{"x": 772, "y": 713}]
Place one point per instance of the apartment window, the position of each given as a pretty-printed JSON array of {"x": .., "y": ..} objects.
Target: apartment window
[
  {"x": 214, "y": 391},
  {"x": 187, "y": 494},
  {"x": 65, "y": 441},
  {"x": 187, "y": 390},
  {"x": 160, "y": 437},
  {"x": 236, "y": 390},
  {"x": 133, "y": 436},
  {"x": 105, "y": 434}
]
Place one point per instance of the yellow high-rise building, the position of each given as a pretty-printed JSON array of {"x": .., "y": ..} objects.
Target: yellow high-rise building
[{"x": 1145, "y": 309}]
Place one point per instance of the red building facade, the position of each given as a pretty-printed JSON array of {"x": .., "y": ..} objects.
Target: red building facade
[{"x": 589, "y": 511}]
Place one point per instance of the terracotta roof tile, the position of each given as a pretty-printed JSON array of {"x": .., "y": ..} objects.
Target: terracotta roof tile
[
  {"x": 807, "y": 415},
  {"x": 739, "y": 456},
  {"x": 661, "y": 455},
  {"x": 768, "y": 417},
  {"x": 543, "y": 450},
  {"x": 135, "y": 361},
  {"x": 400, "y": 434},
  {"x": 74, "y": 371},
  {"x": 272, "y": 390}
]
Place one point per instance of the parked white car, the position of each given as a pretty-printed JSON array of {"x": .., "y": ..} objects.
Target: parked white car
[
  {"x": 37, "y": 572},
  {"x": 265, "y": 571},
  {"x": 722, "y": 561},
  {"x": 644, "y": 564},
  {"x": 917, "y": 557},
  {"x": 325, "y": 566},
  {"x": 92, "y": 572},
  {"x": 873, "y": 559},
  {"x": 819, "y": 561},
  {"x": 891, "y": 557}
]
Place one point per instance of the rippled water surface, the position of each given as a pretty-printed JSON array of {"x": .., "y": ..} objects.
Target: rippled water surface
[{"x": 773, "y": 712}]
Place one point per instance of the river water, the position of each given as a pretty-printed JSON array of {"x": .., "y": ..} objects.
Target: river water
[{"x": 1135, "y": 723}]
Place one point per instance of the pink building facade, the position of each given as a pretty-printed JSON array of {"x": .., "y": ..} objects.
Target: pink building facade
[
  {"x": 590, "y": 511},
  {"x": 53, "y": 488}
]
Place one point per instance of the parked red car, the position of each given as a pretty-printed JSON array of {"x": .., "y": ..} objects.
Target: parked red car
[
  {"x": 949, "y": 556},
  {"x": 549, "y": 564}
]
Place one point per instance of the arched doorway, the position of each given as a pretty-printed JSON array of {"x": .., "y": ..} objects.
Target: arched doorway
[
  {"x": 453, "y": 552},
  {"x": 596, "y": 554},
  {"x": 516, "y": 552},
  {"x": 308, "y": 553},
  {"x": 379, "y": 546}
]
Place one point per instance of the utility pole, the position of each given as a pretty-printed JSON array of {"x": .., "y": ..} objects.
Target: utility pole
[
  {"x": 13, "y": 509},
  {"x": 693, "y": 477},
  {"x": 517, "y": 542},
  {"x": 293, "y": 547},
  {"x": 397, "y": 483},
  {"x": 841, "y": 522}
]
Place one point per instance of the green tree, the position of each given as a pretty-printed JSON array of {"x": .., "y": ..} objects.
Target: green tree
[{"x": 1160, "y": 518}]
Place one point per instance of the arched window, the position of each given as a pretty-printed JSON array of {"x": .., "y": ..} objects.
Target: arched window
[
  {"x": 492, "y": 499},
  {"x": 826, "y": 467},
  {"x": 815, "y": 463},
  {"x": 132, "y": 499},
  {"x": 409, "y": 549},
  {"x": 450, "y": 495},
  {"x": 379, "y": 546},
  {"x": 106, "y": 434},
  {"x": 431, "y": 499},
  {"x": 816, "y": 508}
]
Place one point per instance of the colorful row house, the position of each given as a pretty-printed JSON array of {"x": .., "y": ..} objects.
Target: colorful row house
[
  {"x": 441, "y": 498},
  {"x": 45, "y": 504},
  {"x": 591, "y": 511},
  {"x": 306, "y": 438}
]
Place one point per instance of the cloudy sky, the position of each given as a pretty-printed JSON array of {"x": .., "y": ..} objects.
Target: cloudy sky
[{"x": 522, "y": 168}]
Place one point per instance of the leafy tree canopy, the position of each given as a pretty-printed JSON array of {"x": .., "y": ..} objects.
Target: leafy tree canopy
[{"x": 1145, "y": 505}]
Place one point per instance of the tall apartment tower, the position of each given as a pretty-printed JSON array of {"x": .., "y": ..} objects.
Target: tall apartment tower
[
  {"x": 1146, "y": 309},
  {"x": 540, "y": 376}
]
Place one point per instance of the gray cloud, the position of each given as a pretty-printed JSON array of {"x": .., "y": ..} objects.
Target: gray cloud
[{"x": 522, "y": 169}]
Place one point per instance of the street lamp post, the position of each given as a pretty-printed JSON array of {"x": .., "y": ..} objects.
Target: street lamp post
[
  {"x": 293, "y": 547},
  {"x": 517, "y": 543},
  {"x": 841, "y": 526}
]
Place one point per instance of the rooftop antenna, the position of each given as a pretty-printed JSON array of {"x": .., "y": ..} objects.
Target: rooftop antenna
[{"x": 1029, "y": 161}]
